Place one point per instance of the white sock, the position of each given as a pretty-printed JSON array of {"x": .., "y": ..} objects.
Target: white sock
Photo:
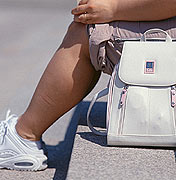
[{"x": 32, "y": 144}]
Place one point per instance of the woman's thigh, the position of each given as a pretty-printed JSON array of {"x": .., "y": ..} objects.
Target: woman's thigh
[{"x": 105, "y": 54}]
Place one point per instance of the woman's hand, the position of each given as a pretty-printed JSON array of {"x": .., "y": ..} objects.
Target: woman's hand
[
  {"x": 102, "y": 11},
  {"x": 95, "y": 11}
]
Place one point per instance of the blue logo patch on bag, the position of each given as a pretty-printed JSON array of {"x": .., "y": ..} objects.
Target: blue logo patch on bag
[{"x": 149, "y": 67}]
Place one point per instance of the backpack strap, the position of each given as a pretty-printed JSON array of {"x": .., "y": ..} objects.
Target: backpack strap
[{"x": 97, "y": 96}]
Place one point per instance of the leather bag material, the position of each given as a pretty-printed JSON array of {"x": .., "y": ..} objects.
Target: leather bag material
[
  {"x": 156, "y": 141},
  {"x": 136, "y": 54},
  {"x": 146, "y": 119}
]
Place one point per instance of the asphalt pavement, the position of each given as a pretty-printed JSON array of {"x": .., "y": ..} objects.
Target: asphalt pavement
[{"x": 30, "y": 33}]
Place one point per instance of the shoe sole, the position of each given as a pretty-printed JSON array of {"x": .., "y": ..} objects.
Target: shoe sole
[{"x": 24, "y": 163}]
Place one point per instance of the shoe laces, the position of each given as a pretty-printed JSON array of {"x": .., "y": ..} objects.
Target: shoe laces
[{"x": 4, "y": 124}]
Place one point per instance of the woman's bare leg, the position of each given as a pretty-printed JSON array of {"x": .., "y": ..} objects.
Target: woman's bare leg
[{"x": 66, "y": 80}]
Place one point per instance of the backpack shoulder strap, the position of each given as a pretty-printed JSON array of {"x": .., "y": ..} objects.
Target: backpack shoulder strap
[{"x": 100, "y": 94}]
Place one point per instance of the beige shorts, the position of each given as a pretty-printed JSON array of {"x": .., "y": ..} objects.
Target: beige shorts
[{"x": 106, "y": 40}]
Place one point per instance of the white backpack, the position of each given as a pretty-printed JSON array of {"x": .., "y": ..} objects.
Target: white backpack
[{"x": 142, "y": 95}]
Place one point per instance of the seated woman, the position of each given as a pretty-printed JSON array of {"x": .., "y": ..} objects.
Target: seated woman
[{"x": 71, "y": 74}]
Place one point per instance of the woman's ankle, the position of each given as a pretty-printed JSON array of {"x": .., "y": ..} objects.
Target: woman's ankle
[{"x": 24, "y": 131}]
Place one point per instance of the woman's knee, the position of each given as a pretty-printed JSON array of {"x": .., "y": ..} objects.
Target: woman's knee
[{"x": 77, "y": 34}]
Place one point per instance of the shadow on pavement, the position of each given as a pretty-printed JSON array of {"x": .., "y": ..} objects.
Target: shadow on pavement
[
  {"x": 89, "y": 136},
  {"x": 98, "y": 119},
  {"x": 175, "y": 155},
  {"x": 59, "y": 155},
  {"x": 97, "y": 115}
]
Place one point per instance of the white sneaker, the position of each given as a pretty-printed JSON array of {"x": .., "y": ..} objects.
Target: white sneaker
[{"x": 15, "y": 153}]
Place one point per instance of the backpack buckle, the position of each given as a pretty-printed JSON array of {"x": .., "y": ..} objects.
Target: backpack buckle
[
  {"x": 173, "y": 96},
  {"x": 123, "y": 96}
]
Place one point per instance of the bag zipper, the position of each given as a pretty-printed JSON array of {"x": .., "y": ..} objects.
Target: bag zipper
[
  {"x": 173, "y": 96},
  {"x": 123, "y": 96},
  {"x": 122, "y": 106}
]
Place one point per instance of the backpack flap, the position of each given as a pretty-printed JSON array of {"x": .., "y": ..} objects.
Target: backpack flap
[{"x": 148, "y": 63}]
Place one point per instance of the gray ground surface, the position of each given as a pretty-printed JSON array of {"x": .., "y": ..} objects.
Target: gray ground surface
[{"x": 30, "y": 32}]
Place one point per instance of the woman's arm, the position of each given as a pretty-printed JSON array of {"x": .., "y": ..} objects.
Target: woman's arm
[
  {"x": 100, "y": 11},
  {"x": 145, "y": 10}
]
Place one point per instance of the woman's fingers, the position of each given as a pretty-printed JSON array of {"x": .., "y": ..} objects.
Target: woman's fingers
[
  {"x": 95, "y": 11},
  {"x": 80, "y": 9},
  {"x": 80, "y": 18},
  {"x": 84, "y": 18},
  {"x": 83, "y": 2}
]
